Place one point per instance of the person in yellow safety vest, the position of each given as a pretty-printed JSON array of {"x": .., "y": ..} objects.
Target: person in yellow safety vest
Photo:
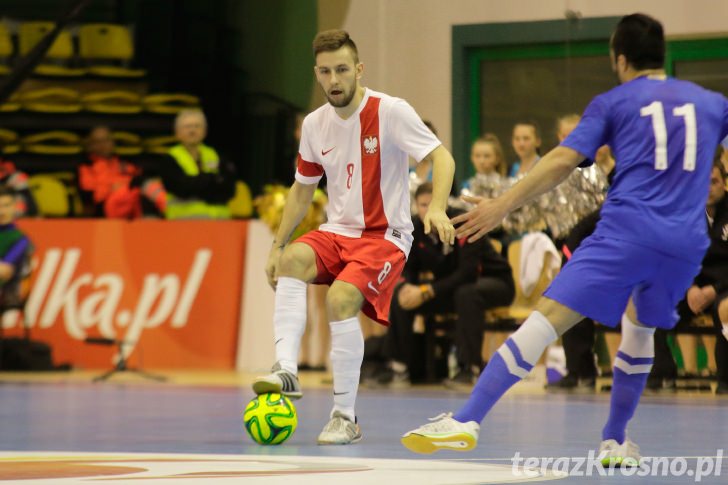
[{"x": 199, "y": 184}]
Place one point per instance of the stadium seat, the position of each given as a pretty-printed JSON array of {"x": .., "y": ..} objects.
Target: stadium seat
[
  {"x": 159, "y": 145},
  {"x": 60, "y": 52},
  {"x": 50, "y": 195},
  {"x": 51, "y": 100},
  {"x": 107, "y": 42},
  {"x": 112, "y": 102},
  {"x": 12, "y": 104},
  {"x": 9, "y": 141},
  {"x": 6, "y": 48},
  {"x": 241, "y": 205},
  {"x": 522, "y": 305},
  {"x": 127, "y": 144},
  {"x": 170, "y": 103},
  {"x": 52, "y": 143}
]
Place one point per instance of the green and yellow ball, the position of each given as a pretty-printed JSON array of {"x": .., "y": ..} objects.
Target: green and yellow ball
[{"x": 270, "y": 419}]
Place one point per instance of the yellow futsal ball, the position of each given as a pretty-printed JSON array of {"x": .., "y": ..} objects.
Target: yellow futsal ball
[{"x": 270, "y": 419}]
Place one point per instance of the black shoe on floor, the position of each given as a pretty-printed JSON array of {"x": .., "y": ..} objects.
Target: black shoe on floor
[
  {"x": 722, "y": 389},
  {"x": 657, "y": 384}
]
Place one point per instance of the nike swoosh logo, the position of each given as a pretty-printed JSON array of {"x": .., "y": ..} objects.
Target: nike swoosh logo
[
  {"x": 340, "y": 393},
  {"x": 323, "y": 153},
  {"x": 371, "y": 287},
  {"x": 276, "y": 342}
]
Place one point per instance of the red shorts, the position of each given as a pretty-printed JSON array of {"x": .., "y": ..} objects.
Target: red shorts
[{"x": 373, "y": 265}]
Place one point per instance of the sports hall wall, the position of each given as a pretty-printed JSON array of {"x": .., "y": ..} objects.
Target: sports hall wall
[{"x": 413, "y": 58}]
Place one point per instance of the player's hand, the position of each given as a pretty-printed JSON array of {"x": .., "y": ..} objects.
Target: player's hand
[
  {"x": 437, "y": 220},
  {"x": 409, "y": 297},
  {"x": 696, "y": 299},
  {"x": 271, "y": 267},
  {"x": 486, "y": 215}
]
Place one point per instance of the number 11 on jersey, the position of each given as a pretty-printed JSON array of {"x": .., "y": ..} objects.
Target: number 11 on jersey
[{"x": 686, "y": 111}]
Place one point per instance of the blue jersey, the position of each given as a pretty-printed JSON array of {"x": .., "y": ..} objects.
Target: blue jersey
[{"x": 663, "y": 134}]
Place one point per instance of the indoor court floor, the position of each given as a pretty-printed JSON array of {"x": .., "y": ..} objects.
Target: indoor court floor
[{"x": 58, "y": 429}]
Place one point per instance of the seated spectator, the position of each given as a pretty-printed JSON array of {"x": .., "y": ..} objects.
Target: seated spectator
[
  {"x": 486, "y": 155},
  {"x": 108, "y": 185},
  {"x": 15, "y": 249},
  {"x": 709, "y": 292},
  {"x": 199, "y": 183},
  {"x": 526, "y": 141},
  {"x": 25, "y": 205},
  {"x": 441, "y": 279}
]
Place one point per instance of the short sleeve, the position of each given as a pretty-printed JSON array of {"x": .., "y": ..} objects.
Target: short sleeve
[
  {"x": 591, "y": 132},
  {"x": 308, "y": 170},
  {"x": 409, "y": 132}
]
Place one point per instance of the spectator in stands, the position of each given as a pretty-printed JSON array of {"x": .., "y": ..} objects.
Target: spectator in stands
[
  {"x": 486, "y": 155},
  {"x": 709, "y": 292},
  {"x": 436, "y": 277},
  {"x": 25, "y": 205},
  {"x": 15, "y": 250},
  {"x": 109, "y": 186},
  {"x": 526, "y": 141},
  {"x": 199, "y": 183}
]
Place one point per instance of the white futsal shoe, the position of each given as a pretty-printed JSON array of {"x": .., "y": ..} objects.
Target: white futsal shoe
[
  {"x": 279, "y": 381},
  {"x": 340, "y": 430},
  {"x": 612, "y": 454},
  {"x": 442, "y": 433}
]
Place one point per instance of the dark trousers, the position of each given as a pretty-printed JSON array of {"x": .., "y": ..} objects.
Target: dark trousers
[
  {"x": 578, "y": 344},
  {"x": 399, "y": 341},
  {"x": 471, "y": 301},
  {"x": 665, "y": 366}
]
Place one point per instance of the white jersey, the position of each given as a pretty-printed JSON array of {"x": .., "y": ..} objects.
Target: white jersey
[{"x": 365, "y": 161}]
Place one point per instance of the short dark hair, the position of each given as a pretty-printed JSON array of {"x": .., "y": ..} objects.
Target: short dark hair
[
  {"x": 641, "y": 39},
  {"x": 333, "y": 40},
  {"x": 424, "y": 188},
  {"x": 6, "y": 190}
]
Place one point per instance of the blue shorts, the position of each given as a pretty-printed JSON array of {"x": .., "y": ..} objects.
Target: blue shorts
[{"x": 604, "y": 273}]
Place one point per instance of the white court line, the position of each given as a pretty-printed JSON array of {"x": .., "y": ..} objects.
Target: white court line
[{"x": 510, "y": 458}]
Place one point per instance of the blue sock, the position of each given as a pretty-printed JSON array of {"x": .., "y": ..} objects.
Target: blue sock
[
  {"x": 632, "y": 365},
  {"x": 626, "y": 391},
  {"x": 511, "y": 363}
]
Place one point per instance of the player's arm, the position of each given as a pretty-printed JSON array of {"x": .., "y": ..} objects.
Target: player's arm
[
  {"x": 549, "y": 172},
  {"x": 297, "y": 203},
  {"x": 443, "y": 169}
]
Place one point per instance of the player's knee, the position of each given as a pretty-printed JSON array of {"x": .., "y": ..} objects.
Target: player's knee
[
  {"x": 342, "y": 302},
  {"x": 295, "y": 263}
]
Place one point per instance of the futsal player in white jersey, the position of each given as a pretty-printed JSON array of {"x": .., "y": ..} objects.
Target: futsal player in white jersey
[{"x": 361, "y": 140}]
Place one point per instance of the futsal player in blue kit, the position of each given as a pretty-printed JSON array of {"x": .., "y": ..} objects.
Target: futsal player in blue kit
[{"x": 645, "y": 251}]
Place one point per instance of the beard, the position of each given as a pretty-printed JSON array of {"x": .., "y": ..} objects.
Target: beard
[{"x": 343, "y": 101}]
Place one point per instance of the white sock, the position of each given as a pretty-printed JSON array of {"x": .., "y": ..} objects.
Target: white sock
[
  {"x": 637, "y": 341},
  {"x": 289, "y": 321},
  {"x": 347, "y": 353},
  {"x": 533, "y": 336},
  {"x": 725, "y": 329}
]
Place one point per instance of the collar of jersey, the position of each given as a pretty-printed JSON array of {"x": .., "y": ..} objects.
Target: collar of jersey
[{"x": 355, "y": 114}]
